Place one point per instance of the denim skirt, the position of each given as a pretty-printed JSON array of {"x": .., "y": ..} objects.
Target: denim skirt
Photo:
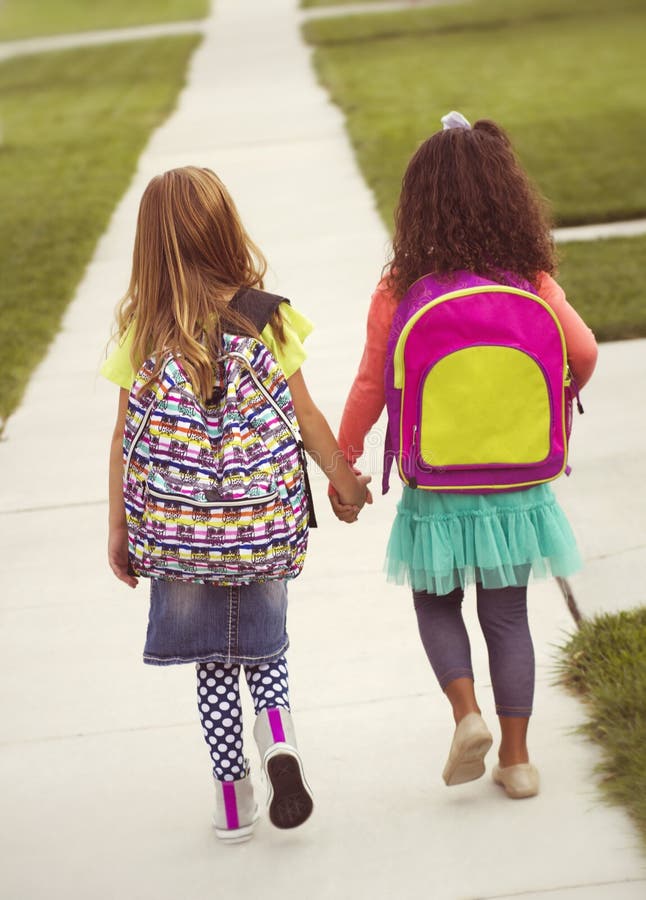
[{"x": 204, "y": 622}]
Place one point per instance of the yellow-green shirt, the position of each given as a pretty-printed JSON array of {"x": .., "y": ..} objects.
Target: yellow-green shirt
[{"x": 290, "y": 355}]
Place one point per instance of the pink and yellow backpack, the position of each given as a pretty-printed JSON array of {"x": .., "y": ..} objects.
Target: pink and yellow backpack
[{"x": 478, "y": 389}]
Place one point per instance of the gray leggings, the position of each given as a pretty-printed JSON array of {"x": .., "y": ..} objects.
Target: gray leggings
[{"x": 503, "y": 618}]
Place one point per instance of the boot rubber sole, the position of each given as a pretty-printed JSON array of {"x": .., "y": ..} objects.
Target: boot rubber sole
[
  {"x": 290, "y": 800},
  {"x": 237, "y": 835}
]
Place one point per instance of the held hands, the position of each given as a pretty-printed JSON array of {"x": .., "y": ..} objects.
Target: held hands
[{"x": 349, "y": 511}]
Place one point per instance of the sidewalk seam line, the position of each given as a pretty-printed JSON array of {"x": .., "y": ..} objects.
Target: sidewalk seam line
[
  {"x": 52, "y": 507},
  {"x": 565, "y": 887}
]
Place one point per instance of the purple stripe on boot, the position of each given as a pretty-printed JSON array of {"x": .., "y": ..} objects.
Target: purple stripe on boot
[
  {"x": 230, "y": 805},
  {"x": 276, "y": 725}
]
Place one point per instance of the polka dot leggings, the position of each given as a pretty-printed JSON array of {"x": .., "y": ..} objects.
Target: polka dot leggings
[{"x": 218, "y": 700}]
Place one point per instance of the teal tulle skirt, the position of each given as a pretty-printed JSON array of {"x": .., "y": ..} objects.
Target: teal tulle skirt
[{"x": 441, "y": 541}]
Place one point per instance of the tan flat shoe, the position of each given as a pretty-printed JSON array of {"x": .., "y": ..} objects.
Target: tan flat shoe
[
  {"x": 471, "y": 742},
  {"x": 518, "y": 781}
]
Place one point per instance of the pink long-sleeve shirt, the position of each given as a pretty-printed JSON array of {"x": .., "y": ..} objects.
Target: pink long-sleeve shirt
[{"x": 367, "y": 398}]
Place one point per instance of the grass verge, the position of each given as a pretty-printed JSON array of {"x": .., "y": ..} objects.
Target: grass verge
[
  {"x": 605, "y": 665},
  {"x": 74, "y": 124},
  {"x": 30, "y": 18},
  {"x": 603, "y": 280},
  {"x": 567, "y": 83},
  {"x": 307, "y": 4}
]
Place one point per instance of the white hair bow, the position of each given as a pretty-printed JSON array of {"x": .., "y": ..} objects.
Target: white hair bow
[{"x": 454, "y": 120}]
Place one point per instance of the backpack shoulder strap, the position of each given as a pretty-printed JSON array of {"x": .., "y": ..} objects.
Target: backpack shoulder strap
[
  {"x": 257, "y": 306},
  {"x": 141, "y": 406},
  {"x": 248, "y": 352}
]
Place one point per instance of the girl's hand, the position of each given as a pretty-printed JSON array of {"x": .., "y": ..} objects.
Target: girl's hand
[
  {"x": 349, "y": 512},
  {"x": 117, "y": 528},
  {"x": 360, "y": 495},
  {"x": 365, "y": 480},
  {"x": 118, "y": 556},
  {"x": 344, "y": 512}
]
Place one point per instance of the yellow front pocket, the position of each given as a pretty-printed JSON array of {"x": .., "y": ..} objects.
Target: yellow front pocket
[{"x": 485, "y": 405}]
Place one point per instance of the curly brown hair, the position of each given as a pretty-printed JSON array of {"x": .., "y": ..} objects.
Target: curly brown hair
[{"x": 466, "y": 203}]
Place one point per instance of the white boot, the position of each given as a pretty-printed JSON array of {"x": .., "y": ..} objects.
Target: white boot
[
  {"x": 236, "y": 811},
  {"x": 289, "y": 798}
]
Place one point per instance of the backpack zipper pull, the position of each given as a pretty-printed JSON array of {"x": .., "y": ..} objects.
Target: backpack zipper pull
[
  {"x": 412, "y": 481},
  {"x": 570, "y": 382}
]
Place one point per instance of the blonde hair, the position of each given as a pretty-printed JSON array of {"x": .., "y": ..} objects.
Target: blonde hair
[{"x": 191, "y": 254}]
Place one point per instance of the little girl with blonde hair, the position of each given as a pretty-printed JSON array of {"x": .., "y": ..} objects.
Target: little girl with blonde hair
[{"x": 195, "y": 275}]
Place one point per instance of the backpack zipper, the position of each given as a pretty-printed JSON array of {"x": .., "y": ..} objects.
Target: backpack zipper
[
  {"x": 297, "y": 438},
  {"x": 187, "y": 501},
  {"x": 418, "y": 461},
  {"x": 232, "y": 354}
]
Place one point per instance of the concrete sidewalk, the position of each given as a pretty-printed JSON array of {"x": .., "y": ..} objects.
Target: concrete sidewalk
[{"x": 105, "y": 776}]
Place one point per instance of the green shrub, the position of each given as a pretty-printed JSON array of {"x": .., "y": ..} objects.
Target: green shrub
[{"x": 605, "y": 664}]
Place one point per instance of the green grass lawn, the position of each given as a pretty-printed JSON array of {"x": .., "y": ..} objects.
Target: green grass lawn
[
  {"x": 308, "y": 3},
  {"x": 567, "y": 83},
  {"x": 605, "y": 664},
  {"x": 74, "y": 124},
  {"x": 604, "y": 281},
  {"x": 29, "y": 18}
]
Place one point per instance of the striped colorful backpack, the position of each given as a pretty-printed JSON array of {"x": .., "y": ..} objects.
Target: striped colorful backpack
[
  {"x": 216, "y": 492},
  {"x": 478, "y": 390}
]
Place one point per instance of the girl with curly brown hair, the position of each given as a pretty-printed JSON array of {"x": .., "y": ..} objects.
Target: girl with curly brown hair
[{"x": 468, "y": 208}]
